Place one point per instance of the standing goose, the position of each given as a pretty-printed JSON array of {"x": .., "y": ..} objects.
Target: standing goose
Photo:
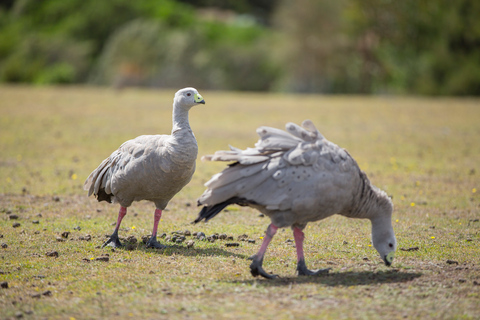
[
  {"x": 296, "y": 177},
  {"x": 149, "y": 167}
]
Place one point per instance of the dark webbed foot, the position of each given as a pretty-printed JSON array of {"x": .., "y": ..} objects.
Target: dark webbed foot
[
  {"x": 113, "y": 242},
  {"x": 303, "y": 271},
  {"x": 153, "y": 243},
  {"x": 257, "y": 270}
]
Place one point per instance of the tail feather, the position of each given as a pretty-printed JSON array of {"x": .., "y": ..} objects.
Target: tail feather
[
  {"x": 209, "y": 212},
  {"x": 102, "y": 195}
]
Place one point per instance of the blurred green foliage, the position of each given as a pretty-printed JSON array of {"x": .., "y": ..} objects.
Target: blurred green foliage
[
  {"x": 343, "y": 46},
  {"x": 210, "y": 55},
  {"x": 382, "y": 46}
]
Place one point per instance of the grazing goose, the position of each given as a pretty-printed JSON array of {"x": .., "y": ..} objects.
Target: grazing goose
[
  {"x": 149, "y": 167},
  {"x": 296, "y": 177}
]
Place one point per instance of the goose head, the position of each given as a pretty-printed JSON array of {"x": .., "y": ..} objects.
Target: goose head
[{"x": 187, "y": 98}]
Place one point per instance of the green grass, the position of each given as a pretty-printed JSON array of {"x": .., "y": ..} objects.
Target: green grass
[{"x": 423, "y": 152}]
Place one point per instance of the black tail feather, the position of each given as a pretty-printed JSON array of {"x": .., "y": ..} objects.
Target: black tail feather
[
  {"x": 208, "y": 213},
  {"x": 103, "y": 196}
]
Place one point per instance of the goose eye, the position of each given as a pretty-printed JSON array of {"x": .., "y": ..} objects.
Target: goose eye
[
  {"x": 390, "y": 245},
  {"x": 189, "y": 94}
]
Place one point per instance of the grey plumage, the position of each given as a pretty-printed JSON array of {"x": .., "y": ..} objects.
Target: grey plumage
[
  {"x": 295, "y": 177},
  {"x": 150, "y": 167}
]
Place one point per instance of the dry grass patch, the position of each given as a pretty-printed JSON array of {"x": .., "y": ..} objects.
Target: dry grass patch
[{"x": 423, "y": 152}]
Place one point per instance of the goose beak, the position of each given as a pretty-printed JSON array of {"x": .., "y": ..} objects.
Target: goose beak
[
  {"x": 388, "y": 259},
  {"x": 198, "y": 98}
]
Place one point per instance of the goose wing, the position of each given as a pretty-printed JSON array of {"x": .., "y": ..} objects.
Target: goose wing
[
  {"x": 297, "y": 169},
  {"x": 131, "y": 164}
]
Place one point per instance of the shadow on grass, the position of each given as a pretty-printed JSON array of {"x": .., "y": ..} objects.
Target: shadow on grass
[
  {"x": 181, "y": 250},
  {"x": 339, "y": 279},
  {"x": 190, "y": 252}
]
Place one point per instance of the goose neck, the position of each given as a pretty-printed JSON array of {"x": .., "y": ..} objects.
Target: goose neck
[{"x": 180, "y": 120}]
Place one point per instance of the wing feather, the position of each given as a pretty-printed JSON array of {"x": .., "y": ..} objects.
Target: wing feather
[
  {"x": 272, "y": 172},
  {"x": 234, "y": 174}
]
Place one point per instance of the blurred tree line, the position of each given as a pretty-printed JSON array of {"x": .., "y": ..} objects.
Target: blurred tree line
[{"x": 342, "y": 46}]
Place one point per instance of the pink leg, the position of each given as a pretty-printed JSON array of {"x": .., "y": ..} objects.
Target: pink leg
[
  {"x": 299, "y": 236},
  {"x": 121, "y": 214},
  {"x": 271, "y": 231},
  {"x": 114, "y": 241},
  {"x": 153, "y": 243},
  {"x": 157, "y": 216},
  {"x": 302, "y": 270},
  {"x": 256, "y": 266}
]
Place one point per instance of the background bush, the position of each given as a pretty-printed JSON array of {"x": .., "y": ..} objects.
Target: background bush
[{"x": 344, "y": 46}]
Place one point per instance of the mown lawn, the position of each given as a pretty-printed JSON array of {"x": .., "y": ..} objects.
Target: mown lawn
[{"x": 424, "y": 152}]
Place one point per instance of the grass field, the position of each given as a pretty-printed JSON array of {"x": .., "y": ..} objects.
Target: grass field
[{"x": 424, "y": 152}]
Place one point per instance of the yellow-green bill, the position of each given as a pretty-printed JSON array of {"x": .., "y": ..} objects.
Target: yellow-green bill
[
  {"x": 197, "y": 97},
  {"x": 390, "y": 257}
]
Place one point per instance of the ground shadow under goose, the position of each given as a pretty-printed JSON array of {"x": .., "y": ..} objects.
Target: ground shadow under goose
[
  {"x": 172, "y": 249},
  {"x": 339, "y": 279}
]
